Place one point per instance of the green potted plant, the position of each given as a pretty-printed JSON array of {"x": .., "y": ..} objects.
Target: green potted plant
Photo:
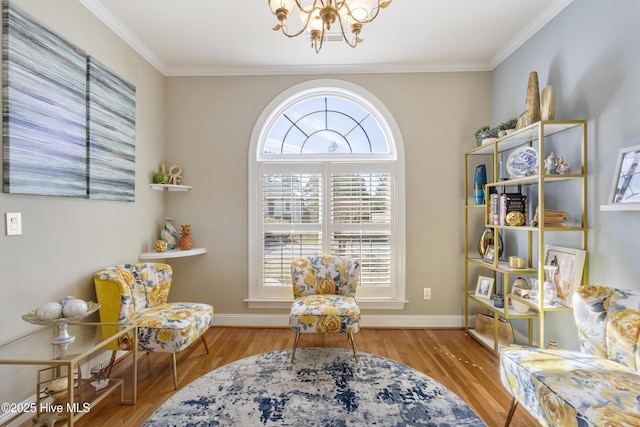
[
  {"x": 480, "y": 134},
  {"x": 507, "y": 127}
]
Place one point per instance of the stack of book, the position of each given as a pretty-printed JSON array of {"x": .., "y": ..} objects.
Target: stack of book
[
  {"x": 553, "y": 218},
  {"x": 507, "y": 209}
]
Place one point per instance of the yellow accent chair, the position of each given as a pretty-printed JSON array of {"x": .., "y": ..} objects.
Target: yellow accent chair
[
  {"x": 324, "y": 289},
  {"x": 138, "y": 293}
]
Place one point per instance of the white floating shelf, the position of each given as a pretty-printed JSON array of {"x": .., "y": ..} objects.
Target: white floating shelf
[
  {"x": 621, "y": 207},
  {"x": 172, "y": 253},
  {"x": 170, "y": 187}
]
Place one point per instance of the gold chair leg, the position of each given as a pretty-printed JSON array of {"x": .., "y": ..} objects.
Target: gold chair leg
[
  {"x": 175, "y": 372},
  {"x": 353, "y": 346},
  {"x": 206, "y": 347},
  {"x": 295, "y": 345},
  {"x": 512, "y": 410}
]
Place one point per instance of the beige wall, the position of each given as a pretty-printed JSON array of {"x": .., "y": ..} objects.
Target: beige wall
[
  {"x": 206, "y": 124},
  {"x": 209, "y": 124},
  {"x": 65, "y": 240}
]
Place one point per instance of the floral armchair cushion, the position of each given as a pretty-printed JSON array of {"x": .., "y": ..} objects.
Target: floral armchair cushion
[
  {"x": 324, "y": 295},
  {"x": 600, "y": 384},
  {"x": 138, "y": 293},
  {"x": 324, "y": 275},
  {"x": 568, "y": 388}
]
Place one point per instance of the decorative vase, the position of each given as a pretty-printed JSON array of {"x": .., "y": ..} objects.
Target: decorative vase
[
  {"x": 487, "y": 239},
  {"x": 169, "y": 233},
  {"x": 550, "y": 290},
  {"x": 185, "y": 242},
  {"x": 547, "y": 104},
  {"x": 498, "y": 301},
  {"x": 533, "y": 100},
  {"x": 479, "y": 183}
]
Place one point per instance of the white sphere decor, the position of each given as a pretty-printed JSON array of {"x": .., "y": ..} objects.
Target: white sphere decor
[
  {"x": 75, "y": 307},
  {"x": 65, "y": 300},
  {"x": 49, "y": 311}
]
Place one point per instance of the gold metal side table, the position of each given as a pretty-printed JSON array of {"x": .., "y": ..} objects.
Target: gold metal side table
[{"x": 66, "y": 361}]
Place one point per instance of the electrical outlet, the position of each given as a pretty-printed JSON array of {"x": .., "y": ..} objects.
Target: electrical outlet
[{"x": 427, "y": 293}]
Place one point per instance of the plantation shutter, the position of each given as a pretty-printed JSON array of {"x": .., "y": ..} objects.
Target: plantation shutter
[
  {"x": 291, "y": 206},
  {"x": 360, "y": 226},
  {"x": 360, "y": 222}
]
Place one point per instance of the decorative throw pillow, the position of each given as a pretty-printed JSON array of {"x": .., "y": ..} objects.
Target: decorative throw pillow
[
  {"x": 623, "y": 331},
  {"x": 590, "y": 305}
]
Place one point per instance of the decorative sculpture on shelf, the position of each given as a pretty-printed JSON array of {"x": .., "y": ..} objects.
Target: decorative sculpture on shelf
[
  {"x": 533, "y": 100},
  {"x": 175, "y": 175},
  {"x": 185, "y": 242},
  {"x": 547, "y": 104},
  {"x": 550, "y": 164}
]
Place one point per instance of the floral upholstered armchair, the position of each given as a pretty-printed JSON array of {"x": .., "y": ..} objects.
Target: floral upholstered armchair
[
  {"x": 138, "y": 293},
  {"x": 324, "y": 289},
  {"x": 597, "y": 386}
]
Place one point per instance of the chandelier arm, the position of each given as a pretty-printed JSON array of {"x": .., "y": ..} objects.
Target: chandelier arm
[
  {"x": 374, "y": 12},
  {"x": 313, "y": 6},
  {"x": 350, "y": 43},
  {"x": 282, "y": 26}
]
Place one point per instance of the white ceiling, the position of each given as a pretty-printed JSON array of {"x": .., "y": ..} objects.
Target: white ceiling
[{"x": 235, "y": 37}]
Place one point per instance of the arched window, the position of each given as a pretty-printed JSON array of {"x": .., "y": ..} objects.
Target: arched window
[{"x": 326, "y": 175}]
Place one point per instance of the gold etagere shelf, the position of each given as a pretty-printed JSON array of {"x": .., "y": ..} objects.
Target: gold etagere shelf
[{"x": 543, "y": 136}]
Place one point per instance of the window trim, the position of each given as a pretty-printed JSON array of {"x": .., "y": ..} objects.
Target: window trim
[{"x": 256, "y": 296}]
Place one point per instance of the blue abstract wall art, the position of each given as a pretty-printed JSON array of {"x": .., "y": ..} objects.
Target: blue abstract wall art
[
  {"x": 68, "y": 122},
  {"x": 111, "y": 131}
]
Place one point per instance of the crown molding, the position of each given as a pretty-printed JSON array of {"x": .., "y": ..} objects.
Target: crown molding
[
  {"x": 541, "y": 20},
  {"x": 96, "y": 7},
  {"x": 117, "y": 27}
]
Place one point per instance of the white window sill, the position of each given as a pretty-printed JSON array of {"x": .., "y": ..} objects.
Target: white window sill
[{"x": 363, "y": 303}]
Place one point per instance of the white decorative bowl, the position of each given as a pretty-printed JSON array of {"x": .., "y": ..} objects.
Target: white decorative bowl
[
  {"x": 61, "y": 322},
  {"x": 520, "y": 307}
]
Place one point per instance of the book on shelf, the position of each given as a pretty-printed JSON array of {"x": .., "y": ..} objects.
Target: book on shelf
[
  {"x": 512, "y": 209},
  {"x": 553, "y": 218},
  {"x": 493, "y": 208}
]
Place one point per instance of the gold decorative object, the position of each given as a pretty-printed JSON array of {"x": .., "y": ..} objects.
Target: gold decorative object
[
  {"x": 515, "y": 218},
  {"x": 516, "y": 262},
  {"x": 185, "y": 242},
  {"x": 160, "y": 246},
  {"x": 533, "y": 100},
  {"x": 547, "y": 104},
  {"x": 318, "y": 17}
]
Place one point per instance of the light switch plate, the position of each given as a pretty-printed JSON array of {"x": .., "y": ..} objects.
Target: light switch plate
[{"x": 13, "y": 223}]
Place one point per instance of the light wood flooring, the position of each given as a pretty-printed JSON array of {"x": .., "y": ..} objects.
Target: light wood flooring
[{"x": 447, "y": 355}]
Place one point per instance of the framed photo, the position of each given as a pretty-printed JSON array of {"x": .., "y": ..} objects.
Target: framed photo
[
  {"x": 484, "y": 288},
  {"x": 626, "y": 179},
  {"x": 568, "y": 276},
  {"x": 490, "y": 254}
]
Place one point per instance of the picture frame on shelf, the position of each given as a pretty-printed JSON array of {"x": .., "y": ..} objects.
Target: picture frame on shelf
[
  {"x": 625, "y": 187},
  {"x": 489, "y": 254},
  {"x": 484, "y": 287},
  {"x": 568, "y": 276}
]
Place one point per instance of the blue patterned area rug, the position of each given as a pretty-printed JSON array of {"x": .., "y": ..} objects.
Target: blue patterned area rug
[{"x": 324, "y": 387}]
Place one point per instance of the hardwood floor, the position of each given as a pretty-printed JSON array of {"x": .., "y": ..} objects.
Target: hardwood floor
[{"x": 447, "y": 355}]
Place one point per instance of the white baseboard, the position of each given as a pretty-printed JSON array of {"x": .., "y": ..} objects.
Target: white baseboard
[
  {"x": 27, "y": 403},
  {"x": 368, "y": 321}
]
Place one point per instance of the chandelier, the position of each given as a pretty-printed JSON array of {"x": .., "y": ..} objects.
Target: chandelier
[{"x": 318, "y": 16}]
